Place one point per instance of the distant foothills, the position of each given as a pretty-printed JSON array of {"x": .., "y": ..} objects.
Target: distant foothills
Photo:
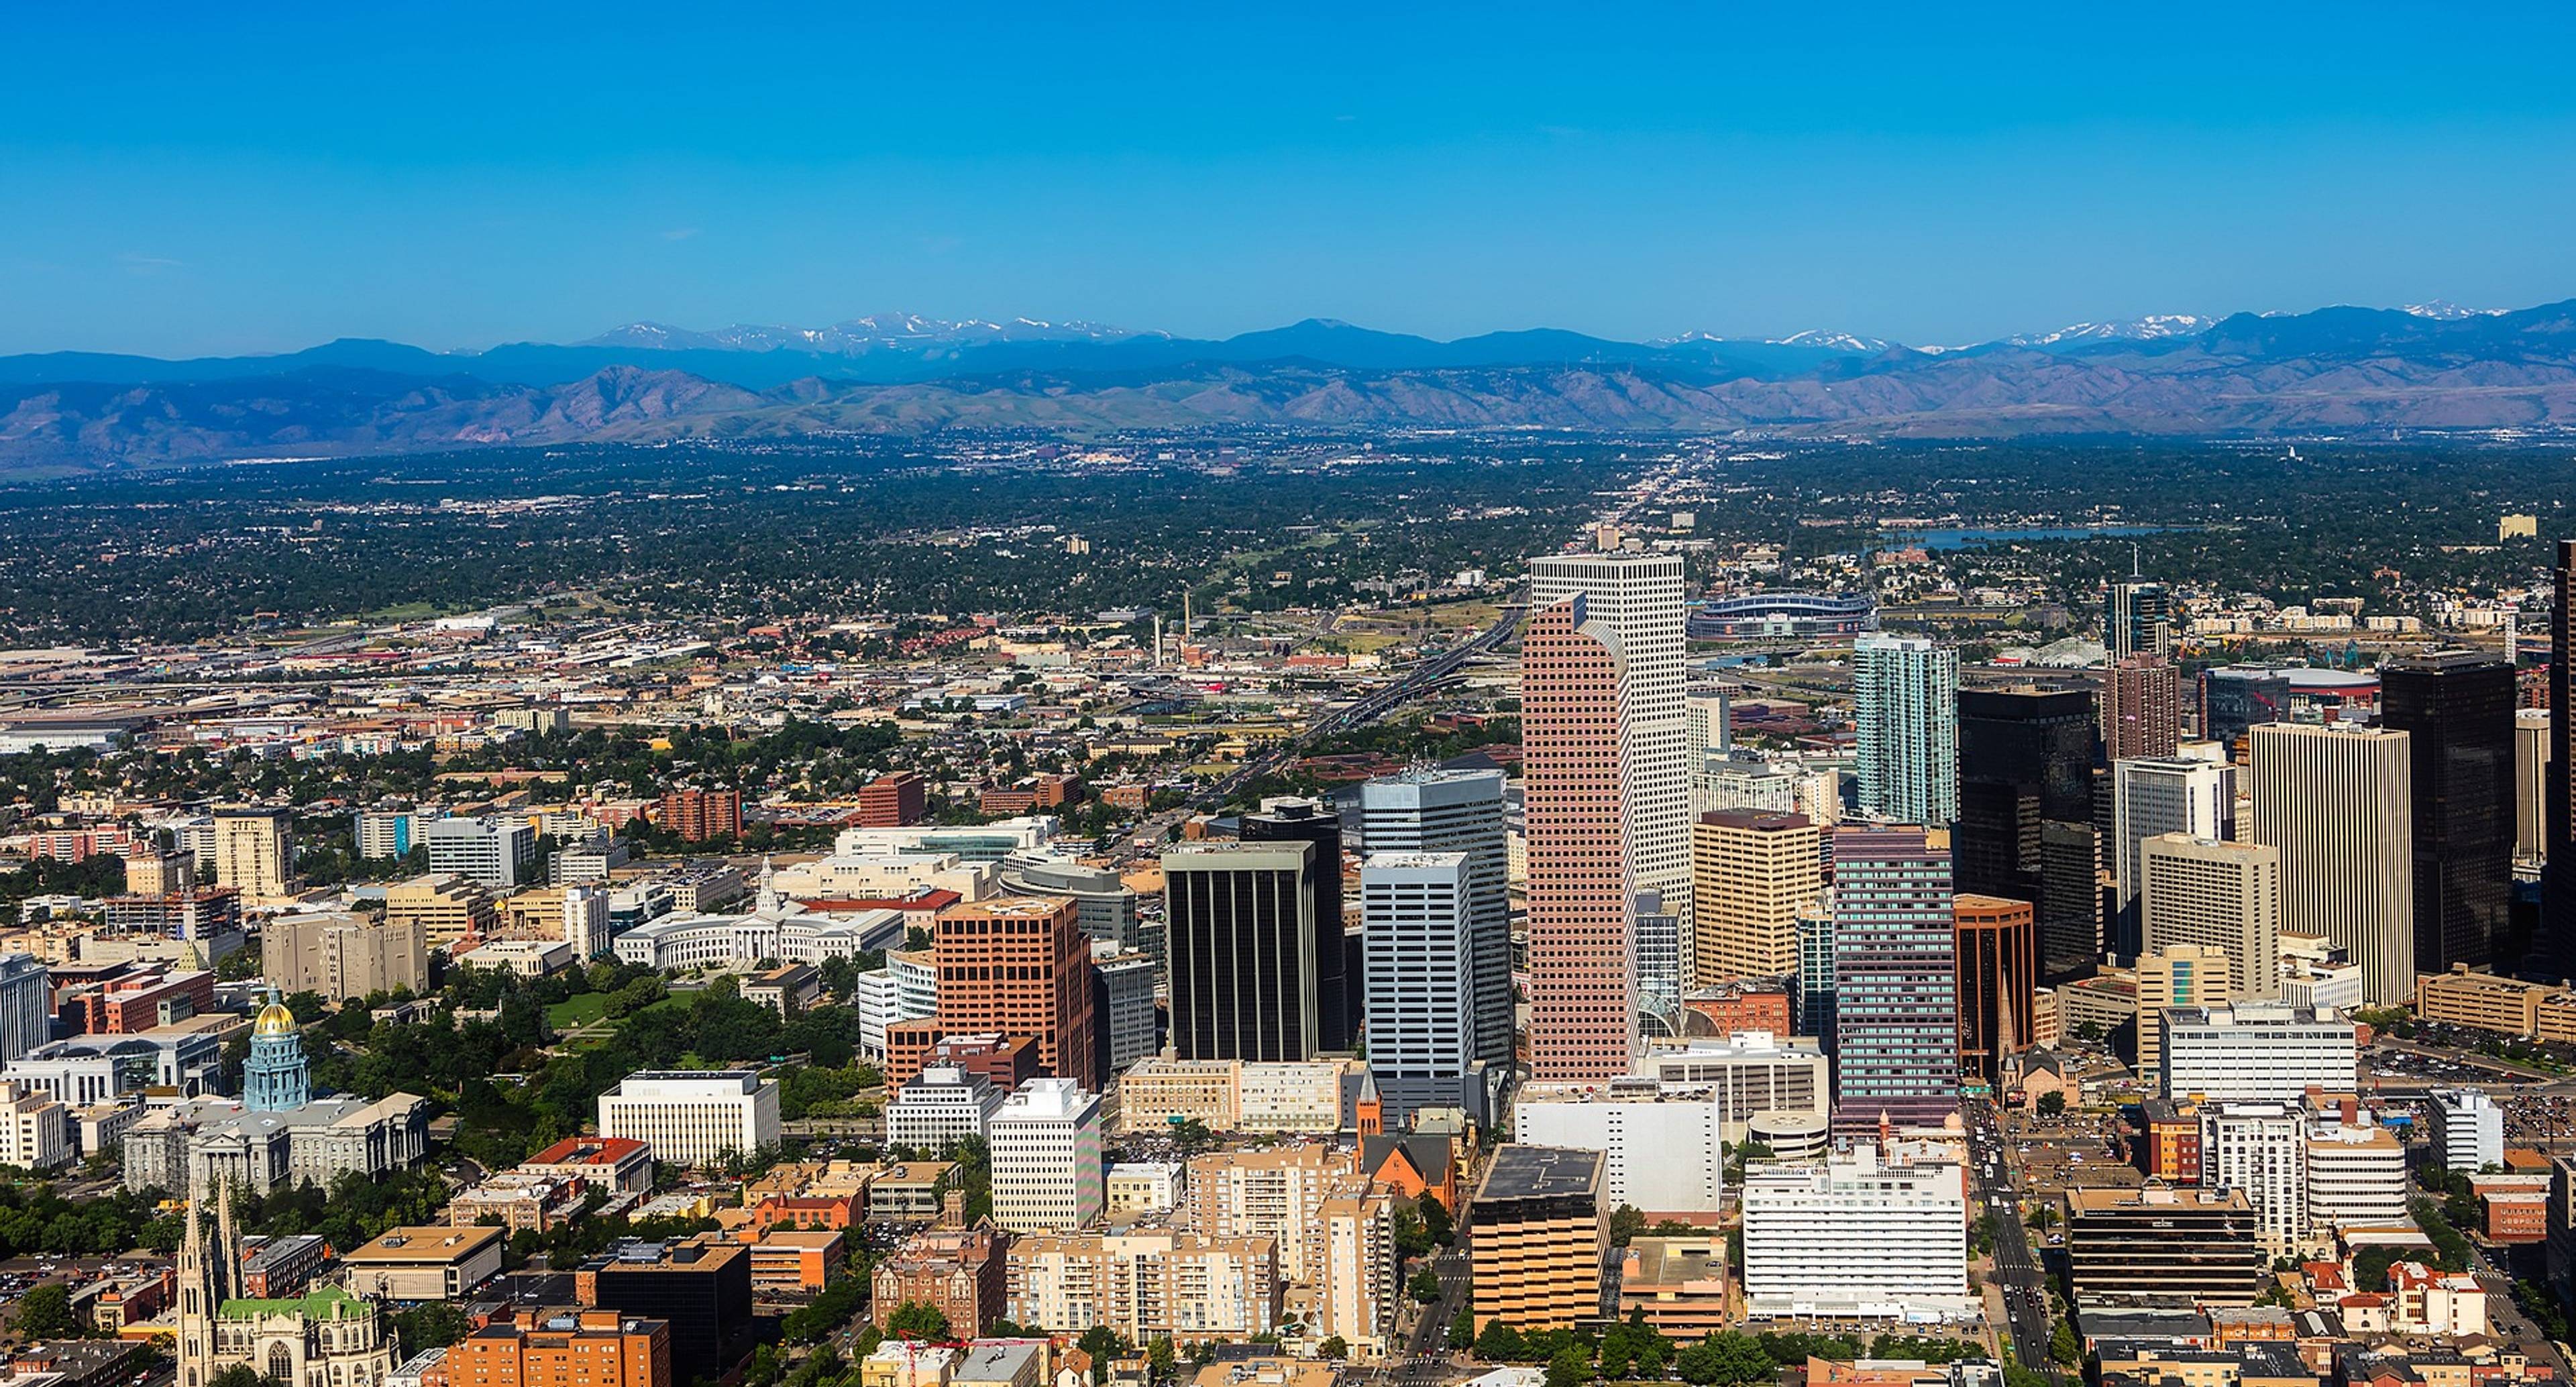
[{"x": 2337, "y": 372}]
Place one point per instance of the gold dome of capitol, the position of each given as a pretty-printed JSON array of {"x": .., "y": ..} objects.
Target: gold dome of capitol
[{"x": 274, "y": 1019}]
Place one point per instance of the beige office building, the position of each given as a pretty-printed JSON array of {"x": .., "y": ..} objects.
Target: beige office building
[
  {"x": 2531, "y": 785},
  {"x": 255, "y": 853},
  {"x": 2217, "y": 895},
  {"x": 1752, "y": 873},
  {"x": 2178, "y": 975},
  {"x": 342, "y": 956},
  {"x": 445, "y": 908},
  {"x": 2334, "y": 799}
]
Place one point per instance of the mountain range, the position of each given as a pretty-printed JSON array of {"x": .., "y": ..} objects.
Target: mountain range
[{"x": 2335, "y": 371}]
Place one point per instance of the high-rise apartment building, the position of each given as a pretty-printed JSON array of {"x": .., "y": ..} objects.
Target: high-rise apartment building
[
  {"x": 1048, "y": 1174},
  {"x": 1640, "y": 598},
  {"x": 1752, "y": 874},
  {"x": 1575, "y": 752},
  {"x": 255, "y": 852},
  {"x": 1848, "y": 1236},
  {"x": 1287, "y": 819},
  {"x": 1430, "y": 810},
  {"x": 1896, "y": 1002},
  {"x": 1421, "y": 979},
  {"x": 2141, "y": 708},
  {"x": 2025, "y": 823},
  {"x": 2200, "y": 892},
  {"x": 698, "y": 814},
  {"x": 2337, "y": 801},
  {"x": 2137, "y": 619},
  {"x": 1018, "y": 966},
  {"x": 2260, "y": 1149},
  {"x": 1905, "y": 717},
  {"x": 1998, "y": 972},
  {"x": 1244, "y": 942},
  {"x": 2456, "y": 707},
  {"x": 2177, "y": 975},
  {"x": 1812, "y": 1002}
]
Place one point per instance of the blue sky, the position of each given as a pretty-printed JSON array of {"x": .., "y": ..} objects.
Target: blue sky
[{"x": 180, "y": 179}]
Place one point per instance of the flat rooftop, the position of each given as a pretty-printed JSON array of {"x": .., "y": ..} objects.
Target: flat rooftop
[{"x": 1542, "y": 1172}]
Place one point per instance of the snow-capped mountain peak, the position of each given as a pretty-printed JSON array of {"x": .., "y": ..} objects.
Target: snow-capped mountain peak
[
  {"x": 861, "y": 335},
  {"x": 2443, "y": 310},
  {"x": 2150, "y": 328},
  {"x": 1834, "y": 341}
]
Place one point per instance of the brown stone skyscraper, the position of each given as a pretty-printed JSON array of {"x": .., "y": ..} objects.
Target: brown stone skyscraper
[
  {"x": 1574, "y": 691},
  {"x": 1018, "y": 966},
  {"x": 2141, "y": 708},
  {"x": 1998, "y": 973}
]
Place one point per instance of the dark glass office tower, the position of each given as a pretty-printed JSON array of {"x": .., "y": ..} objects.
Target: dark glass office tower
[
  {"x": 1337, "y": 986},
  {"x": 2557, "y": 939},
  {"x": 2456, "y": 707},
  {"x": 1240, "y": 928},
  {"x": 2025, "y": 830}
]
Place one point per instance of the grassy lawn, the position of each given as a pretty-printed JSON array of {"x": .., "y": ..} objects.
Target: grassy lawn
[{"x": 577, "y": 1011}]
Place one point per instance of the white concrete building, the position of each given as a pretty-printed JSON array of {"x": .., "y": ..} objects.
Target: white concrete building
[
  {"x": 2356, "y": 1176},
  {"x": 1746, "y": 1073},
  {"x": 693, "y": 1116},
  {"x": 2156, "y": 795},
  {"x": 2250, "y": 1053},
  {"x": 2260, "y": 1149},
  {"x": 2467, "y": 1129},
  {"x": 492, "y": 851},
  {"x": 1663, "y": 1142},
  {"x": 35, "y": 1133},
  {"x": 1046, "y": 1155},
  {"x": 2318, "y": 973},
  {"x": 1849, "y": 1238},
  {"x": 942, "y": 1104}
]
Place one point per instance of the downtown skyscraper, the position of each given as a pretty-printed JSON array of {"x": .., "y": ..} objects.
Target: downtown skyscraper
[
  {"x": 1641, "y": 598},
  {"x": 1431, "y": 810},
  {"x": 1905, "y": 714},
  {"x": 2137, "y": 619},
  {"x": 1896, "y": 984},
  {"x": 2025, "y": 829},
  {"x": 2457, "y": 707},
  {"x": 2556, "y": 946},
  {"x": 2335, "y": 799},
  {"x": 1575, "y": 753}
]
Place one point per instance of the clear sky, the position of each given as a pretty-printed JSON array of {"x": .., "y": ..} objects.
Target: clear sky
[{"x": 200, "y": 178}]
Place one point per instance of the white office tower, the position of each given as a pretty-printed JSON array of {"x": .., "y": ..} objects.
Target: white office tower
[
  {"x": 1850, "y": 1237},
  {"x": 1462, "y": 812},
  {"x": 693, "y": 1116},
  {"x": 2153, "y": 795},
  {"x": 2467, "y": 1130},
  {"x": 2356, "y": 1176},
  {"x": 2217, "y": 895},
  {"x": 1640, "y": 596},
  {"x": 489, "y": 850},
  {"x": 1707, "y": 720},
  {"x": 585, "y": 920},
  {"x": 2256, "y": 1053},
  {"x": 25, "y": 1020},
  {"x": 1905, "y": 714},
  {"x": 942, "y": 1104},
  {"x": 1047, "y": 1171},
  {"x": 2334, "y": 799},
  {"x": 1421, "y": 979},
  {"x": 2260, "y": 1149}
]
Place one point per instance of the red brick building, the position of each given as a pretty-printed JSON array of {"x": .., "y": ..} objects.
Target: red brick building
[
  {"x": 700, "y": 814},
  {"x": 893, "y": 801}
]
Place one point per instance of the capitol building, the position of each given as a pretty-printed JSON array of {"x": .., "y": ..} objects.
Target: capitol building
[{"x": 277, "y": 1133}]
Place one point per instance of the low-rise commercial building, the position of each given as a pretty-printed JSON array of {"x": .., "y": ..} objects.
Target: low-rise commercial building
[
  {"x": 2164, "y": 1246},
  {"x": 426, "y": 1263},
  {"x": 693, "y": 1117},
  {"x": 2257, "y": 1053}
]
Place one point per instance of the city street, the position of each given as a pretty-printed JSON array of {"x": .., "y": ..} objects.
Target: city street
[{"x": 2018, "y": 1274}]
